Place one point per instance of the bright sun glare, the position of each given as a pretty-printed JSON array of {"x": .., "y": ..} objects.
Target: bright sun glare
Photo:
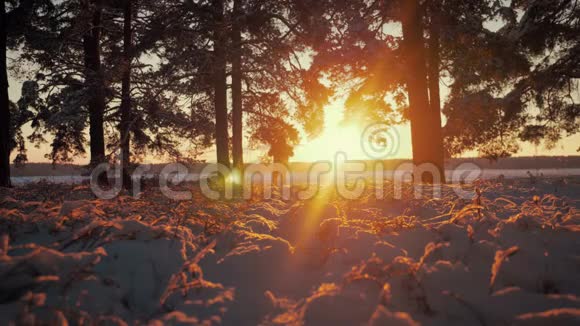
[{"x": 340, "y": 136}]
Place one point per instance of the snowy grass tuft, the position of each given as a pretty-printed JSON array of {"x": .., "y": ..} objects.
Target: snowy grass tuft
[{"x": 508, "y": 256}]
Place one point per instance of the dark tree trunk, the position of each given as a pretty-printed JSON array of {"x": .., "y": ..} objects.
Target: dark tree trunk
[
  {"x": 434, "y": 92},
  {"x": 4, "y": 105},
  {"x": 125, "y": 108},
  {"x": 237, "y": 146},
  {"x": 220, "y": 85},
  {"x": 423, "y": 126},
  {"x": 95, "y": 84}
]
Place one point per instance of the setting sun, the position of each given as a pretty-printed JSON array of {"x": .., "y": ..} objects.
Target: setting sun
[
  {"x": 343, "y": 136},
  {"x": 301, "y": 162}
]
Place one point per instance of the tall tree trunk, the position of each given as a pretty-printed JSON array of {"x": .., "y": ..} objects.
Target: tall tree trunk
[
  {"x": 94, "y": 83},
  {"x": 220, "y": 85},
  {"x": 434, "y": 92},
  {"x": 237, "y": 146},
  {"x": 125, "y": 108},
  {"x": 4, "y": 105},
  {"x": 425, "y": 150}
]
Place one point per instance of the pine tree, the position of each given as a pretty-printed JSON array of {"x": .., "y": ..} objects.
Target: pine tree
[
  {"x": 219, "y": 63},
  {"x": 425, "y": 132},
  {"x": 58, "y": 105},
  {"x": 276, "y": 84},
  {"x": 379, "y": 65},
  {"x": 125, "y": 108},
  {"x": 70, "y": 96},
  {"x": 4, "y": 104},
  {"x": 237, "y": 99},
  {"x": 262, "y": 39},
  {"x": 94, "y": 80},
  {"x": 522, "y": 92},
  {"x": 17, "y": 25},
  {"x": 433, "y": 76}
]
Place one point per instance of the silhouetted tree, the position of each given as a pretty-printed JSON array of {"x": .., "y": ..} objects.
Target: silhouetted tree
[
  {"x": 92, "y": 10},
  {"x": 57, "y": 102},
  {"x": 279, "y": 136},
  {"x": 4, "y": 104},
  {"x": 269, "y": 75},
  {"x": 125, "y": 124},
  {"x": 365, "y": 52},
  {"x": 219, "y": 62},
  {"x": 425, "y": 124},
  {"x": 237, "y": 100},
  {"x": 523, "y": 86},
  {"x": 16, "y": 25}
]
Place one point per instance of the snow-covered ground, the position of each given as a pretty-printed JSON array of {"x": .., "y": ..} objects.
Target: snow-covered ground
[{"x": 511, "y": 255}]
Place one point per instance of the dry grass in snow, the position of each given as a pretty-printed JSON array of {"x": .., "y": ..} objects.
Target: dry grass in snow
[{"x": 509, "y": 256}]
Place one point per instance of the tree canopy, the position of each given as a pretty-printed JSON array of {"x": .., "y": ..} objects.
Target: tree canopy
[{"x": 173, "y": 75}]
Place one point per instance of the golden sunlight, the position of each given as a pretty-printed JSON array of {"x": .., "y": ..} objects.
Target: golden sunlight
[{"x": 341, "y": 136}]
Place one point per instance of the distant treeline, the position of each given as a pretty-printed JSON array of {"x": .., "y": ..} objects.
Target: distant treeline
[
  {"x": 48, "y": 169},
  {"x": 513, "y": 163},
  {"x": 530, "y": 163}
]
